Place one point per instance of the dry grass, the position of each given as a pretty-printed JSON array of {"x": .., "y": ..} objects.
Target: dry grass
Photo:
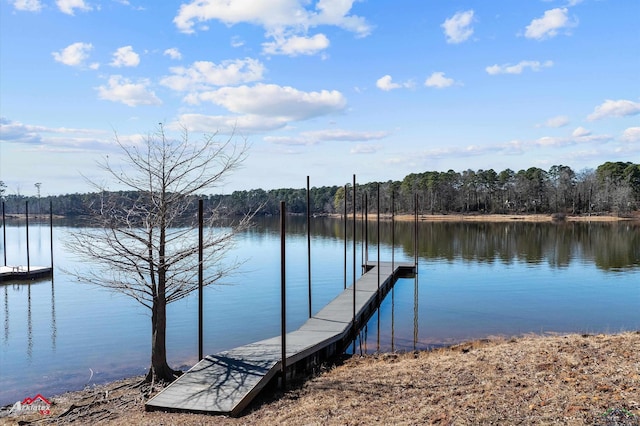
[{"x": 529, "y": 380}]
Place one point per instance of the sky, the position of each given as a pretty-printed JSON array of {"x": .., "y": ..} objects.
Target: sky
[{"x": 318, "y": 88}]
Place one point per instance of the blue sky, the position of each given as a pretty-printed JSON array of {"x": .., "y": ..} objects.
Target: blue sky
[{"x": 325, "y": 88}]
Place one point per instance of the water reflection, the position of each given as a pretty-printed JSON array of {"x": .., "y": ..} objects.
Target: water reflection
[
  {"x": 54, "y": 328},
  {"x": 415, "y": 312},
  {"x": 29, "y": 324},
  {"x": 18, "y": 288},
  {"x": 6, "y": 315},
  {"x": 609, "y": 246}
]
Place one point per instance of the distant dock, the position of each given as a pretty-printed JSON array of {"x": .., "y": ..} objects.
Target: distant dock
[
  {"x": 24, "y": 273},
  {"x": 225, "y": 383}
]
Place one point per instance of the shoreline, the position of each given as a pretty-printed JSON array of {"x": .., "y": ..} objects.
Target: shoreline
[
  {"x": 422, "y": 217},
  {"x": 531, "y": 379},
  {"x": 499, "y": 218}
]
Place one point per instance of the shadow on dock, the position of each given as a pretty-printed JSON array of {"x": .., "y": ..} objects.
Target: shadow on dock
[{"x": 225, "y": 383}]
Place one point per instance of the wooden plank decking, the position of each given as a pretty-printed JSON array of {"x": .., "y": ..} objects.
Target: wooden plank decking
[{"x": 226, "y": 382}]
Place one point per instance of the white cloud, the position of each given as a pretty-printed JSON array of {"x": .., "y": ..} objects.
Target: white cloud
[
  {"x": 580, "y": 132},
  {"x": 439, "y": 81},
  {"x": 549, "y": 24},
  {"x": 28, "y": 5},
  {"x": 296, "y": 45},
  {"x": 69, "y": 6},
  {"x": 580, "y": 135},
  {"x": 272, "y": 14},
  {"x": 228, "y": 123},
  {"x": 202, "y": 75},
  {"x": 632, "y": 134},
  {"x": 555, "y": 122},
  {"x": 385, "y": 83},
  {"x": 517, "y": 68},
  {"x": 121, "y": 89},
  {"x": 125, "y": 57},
  {"x": 173, "y": 53},
  {"x": 362, "y": 148},
  {"x": 271, "y": 100},
  {"x": 344, "y": 135},
  {"x": 73, "y": 55},
  {"x": 458, "y": 27},
  {"x": 333, "y": 135},
  {"x": 288, "y": 140},
  {"x": 43, "y": 138},
  {"x": 236, "y": 41},
  {"x": 611, "y": 108}
]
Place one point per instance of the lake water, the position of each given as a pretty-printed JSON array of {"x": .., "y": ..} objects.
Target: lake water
[{"x": 475, "y": 280}]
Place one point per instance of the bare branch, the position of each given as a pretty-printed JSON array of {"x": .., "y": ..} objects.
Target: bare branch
[{"x": 141, "y": 245}]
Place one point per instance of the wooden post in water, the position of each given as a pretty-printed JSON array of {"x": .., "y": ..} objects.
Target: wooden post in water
[
  {"x": 200, "y": 280},
  {"x": 283, "y": 295},
  {"x": 26, "y": 209},
  {"x": 309, "y": 241}
]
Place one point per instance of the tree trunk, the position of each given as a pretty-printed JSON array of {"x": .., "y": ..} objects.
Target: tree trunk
[{"x": 160, "y": 370}]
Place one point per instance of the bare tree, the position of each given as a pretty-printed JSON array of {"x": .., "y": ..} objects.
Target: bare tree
[{"x": 145, "y": 245}]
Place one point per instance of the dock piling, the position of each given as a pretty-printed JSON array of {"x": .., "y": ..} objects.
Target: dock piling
[{"x": 283, "y": 294}]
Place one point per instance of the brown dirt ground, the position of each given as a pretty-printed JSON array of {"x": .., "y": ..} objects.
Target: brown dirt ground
[{"x": 529, "y": 380}]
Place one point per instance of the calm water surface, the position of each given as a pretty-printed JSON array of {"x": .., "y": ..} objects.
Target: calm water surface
[{"x": 475, "y": 280}]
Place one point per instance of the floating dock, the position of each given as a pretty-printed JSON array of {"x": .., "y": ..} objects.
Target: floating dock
[
  {"x": 24, "y": 273},
  {"x": 225, "y": 383}
]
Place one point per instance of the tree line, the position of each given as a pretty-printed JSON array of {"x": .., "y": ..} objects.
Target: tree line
[{"x": 611, "y": 188}]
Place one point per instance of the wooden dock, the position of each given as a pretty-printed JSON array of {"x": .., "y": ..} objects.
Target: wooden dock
[
  {"x": 23, "y": 273},
  {"x": 227, "y": 382}
]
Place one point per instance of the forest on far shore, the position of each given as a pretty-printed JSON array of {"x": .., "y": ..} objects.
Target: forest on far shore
[{"x": 612, "y": 188}]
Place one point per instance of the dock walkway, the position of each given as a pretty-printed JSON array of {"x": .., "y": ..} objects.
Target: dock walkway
[
  {"x": 226, "y": 382},
  {"x": 22, "y": 273}
]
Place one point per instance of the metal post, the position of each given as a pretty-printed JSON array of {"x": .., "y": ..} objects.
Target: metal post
[
  {"x": 415, "y": 311},
  {"x": 393, "y": 318},
  {"x": 415, "y": 234},
  {"x": 378, "y": 236},
  {"x": 283, "y": 296},
  {"x": 366, "y": 229},
  {"x": 4, "y": 236},
  {"x": 354, "y": 264},
  {"x": 51, "y": 233},
  {"x": 362, "y": 231},
  {"x": 393, "y": 287},
  {"x": 345, "y": 235},
  {"x": 309, "y": 242},
  {"x": 415, "y": 277},
  {"x": 393, "y": 231},
  {"x": 28, "y": 256},
  {"x": 200, "y": 280}
]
